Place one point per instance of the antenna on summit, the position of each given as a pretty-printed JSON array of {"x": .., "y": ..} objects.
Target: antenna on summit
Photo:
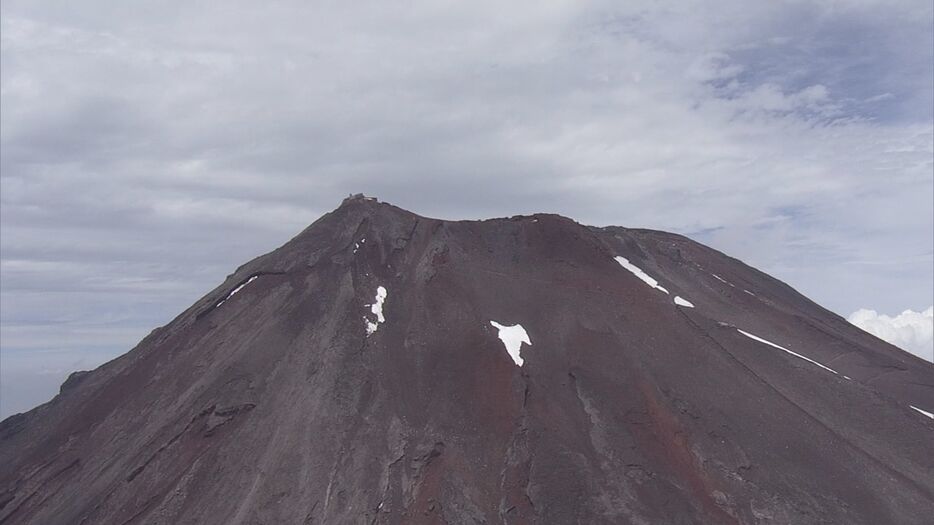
[{"x": 358, "y": 197}]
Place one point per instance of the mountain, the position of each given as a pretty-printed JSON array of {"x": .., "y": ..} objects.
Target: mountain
[{"x": 383, "y": 367}]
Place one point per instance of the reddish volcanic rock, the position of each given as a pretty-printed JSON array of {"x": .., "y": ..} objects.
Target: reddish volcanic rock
[{"x": 293, "y": 394}]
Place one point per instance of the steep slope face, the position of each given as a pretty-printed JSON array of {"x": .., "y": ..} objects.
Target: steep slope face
[{"x": 385, "y": 367}]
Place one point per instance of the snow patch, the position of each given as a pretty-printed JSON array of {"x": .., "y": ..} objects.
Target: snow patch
[
  {"x": 635, "y": 270},
  {"x": 722, "y": 280},
  {"x": 925, "y": 412},
  {"x": 237, "y": 289},
  {"x": 683, "y": 302},
  {"x": 761, "y": 340},
  {"x": 356, "y": 245},
  {"x": 513, "y": 337},
  {"x": 376, "y": 309}
]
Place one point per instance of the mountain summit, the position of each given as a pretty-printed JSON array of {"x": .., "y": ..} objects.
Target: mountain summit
[{"x": 383, "y": 367}]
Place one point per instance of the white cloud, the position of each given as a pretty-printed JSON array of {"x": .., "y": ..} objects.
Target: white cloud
[{"x": 911, "y": 331}]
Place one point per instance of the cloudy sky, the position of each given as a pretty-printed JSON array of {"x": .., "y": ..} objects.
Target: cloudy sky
[{"x": 148, "y": 151}]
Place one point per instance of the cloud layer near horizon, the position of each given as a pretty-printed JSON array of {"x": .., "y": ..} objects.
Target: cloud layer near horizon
[
  {"x": 911, "y": 331},
  {"x": 149, "y": 151}
]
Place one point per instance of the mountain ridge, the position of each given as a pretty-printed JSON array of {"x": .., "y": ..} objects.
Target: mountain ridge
[{"x": 272, "y": 391}]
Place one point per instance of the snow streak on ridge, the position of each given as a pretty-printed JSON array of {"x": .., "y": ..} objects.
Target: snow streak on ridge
[
  {"x": 761, "y": 340},
  {"x": 646, "y": 278},
  {"x": 237, "y": 289}
]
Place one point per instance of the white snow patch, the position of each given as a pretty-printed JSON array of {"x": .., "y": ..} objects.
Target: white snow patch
[
  {"x": 683, "y": 302},
  {"x": 513, "y": 337},
  {"x": 761, "y": 340},
  {"x": 722, "y": 280},
  {"x": 356, "y": 245},
  {"x": 646, "y": 278},
  {"x": 925, "y": 412},
  {"x": 911, "y": 331},
  {"x": 237, "y": 289},
  {"x": 376, "y": 309}
]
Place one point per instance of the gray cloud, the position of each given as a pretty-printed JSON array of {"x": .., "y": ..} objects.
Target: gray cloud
[{"x": 148, "y": 152}]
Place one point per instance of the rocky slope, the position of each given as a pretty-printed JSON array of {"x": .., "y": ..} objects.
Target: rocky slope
[{"x": 383, "y": 367}]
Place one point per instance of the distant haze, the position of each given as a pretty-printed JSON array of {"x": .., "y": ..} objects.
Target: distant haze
[{"x": 148, "y": 151}]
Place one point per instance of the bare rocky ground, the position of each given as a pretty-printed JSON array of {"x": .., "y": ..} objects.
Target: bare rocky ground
[{"x": 286, "y": 396}]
